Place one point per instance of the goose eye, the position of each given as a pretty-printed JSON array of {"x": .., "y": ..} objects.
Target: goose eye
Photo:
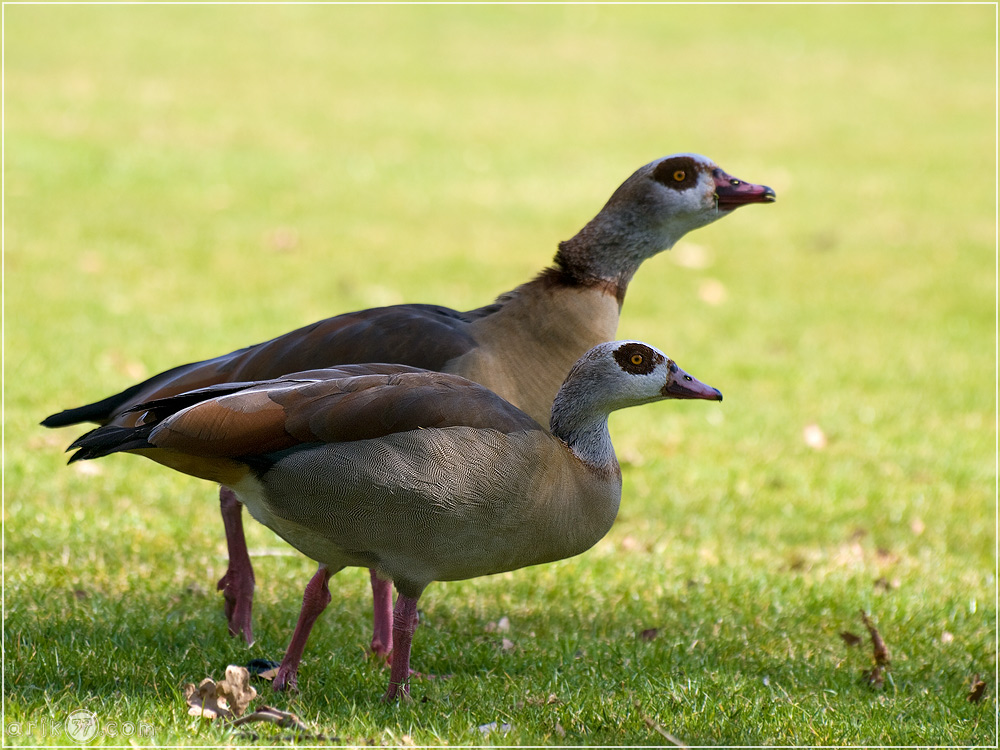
[
  {"x": 636, "y": 359},
  {"x": 679, "y": 175}
]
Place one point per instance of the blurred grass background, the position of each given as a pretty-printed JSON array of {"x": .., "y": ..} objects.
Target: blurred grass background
[{"x": 181, "y": 181}]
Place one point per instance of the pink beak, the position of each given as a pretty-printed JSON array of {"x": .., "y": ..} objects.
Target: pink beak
[{"x": 732, "y": 193}]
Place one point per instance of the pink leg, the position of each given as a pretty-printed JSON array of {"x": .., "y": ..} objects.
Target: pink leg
[
  {"x": 238, "y": 582},
  {"x": 314, "y": 601},
  {"x": 404, "y": 622},
  {"x": 382, "y": 602}
]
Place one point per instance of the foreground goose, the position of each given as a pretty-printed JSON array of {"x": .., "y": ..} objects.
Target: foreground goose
[
  {"x": 419, "y": 476},
  {"x": 521, "y": 346}
]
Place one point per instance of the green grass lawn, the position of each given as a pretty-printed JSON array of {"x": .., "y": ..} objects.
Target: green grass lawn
[{"x": 181, "y": 181}]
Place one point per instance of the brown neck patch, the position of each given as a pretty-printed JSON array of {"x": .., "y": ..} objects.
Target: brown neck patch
[{"x": 561, "y": 275}]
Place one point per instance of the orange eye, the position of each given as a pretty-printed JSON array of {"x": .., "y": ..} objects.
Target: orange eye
[
  {"x": 679, "y": 175},
  {"x": 636, "y": 359}
]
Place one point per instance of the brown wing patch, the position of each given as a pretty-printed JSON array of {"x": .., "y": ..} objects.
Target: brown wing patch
[
  {"x": 368, "y": 407},
  {"x": 284, "y": 414},
  {"x": 241, "y": 424}
]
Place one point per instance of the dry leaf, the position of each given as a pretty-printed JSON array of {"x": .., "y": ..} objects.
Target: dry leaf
[
  {"x": 559, "y": 730},
  {"x": 274, "y": 716},
  {"x": 500, "y": 626},
  {"x": 977, "y": 691},
  {"x": 503, "y": 625},
  {"x": 689, "y": 255},
  {"x": 649, "y": 634},
  {"x": 879, "y": 649},
  {"x": 886, "y": 557},
  {"x": 236, "y": 689},
  {"x": 631, "y": 544},
  {"x": 850, "y": 639},
  {"x": 88, "y": 469},
  {"x": 282, "y": 239},
  {"x": 506, "y": 644},
  {"x": 712, "y": 292},
  {"x": 204, "y": 700},
  {"x": 265, "y": 669},
  {"x": 663, "y": 732},
  {"x": 227, "y": 699},
  {"x": 814, "y": 436}
]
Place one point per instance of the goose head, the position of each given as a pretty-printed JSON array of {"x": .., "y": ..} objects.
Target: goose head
[
  {"x": 611, "y": 376},
  {"x": 660, "y": 203},
  {"x": 688, "y": 191}
]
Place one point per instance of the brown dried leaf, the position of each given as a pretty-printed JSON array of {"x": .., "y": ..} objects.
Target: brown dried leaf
[
  {"x": 885, "y": 556},
  {"x": 236, "y": 689},
  {"x": 850, "y": 639},
  {"x": 858, "y": 534},
  {"x": 977, "y": 691},
  {"x": 649, "y": 634},
  {"x": 688, "y": 255},
  {"x": 663, "y": 732},
  {"x": 282, "y": 239},
  {"x": 204, "y": 700},
  {"x": 274, "y": 716},
  {"x": 500, "y": 626},
  {"x": 712, "y": 292},
  {"x": 879, "y": 649},
  {"x": 631, "y": 544},
  {"x": 226, "y": 699},
  {"x": 263, "y": 668}
]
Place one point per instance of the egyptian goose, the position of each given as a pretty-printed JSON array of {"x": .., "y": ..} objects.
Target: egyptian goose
[
  {"x": 420, "y": 476},
  {"x": 521, "y": 346}
]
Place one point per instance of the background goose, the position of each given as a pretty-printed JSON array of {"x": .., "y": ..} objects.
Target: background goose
[
  {"x": 419, "y": 476},
  {"x": 521, "y": 346}
]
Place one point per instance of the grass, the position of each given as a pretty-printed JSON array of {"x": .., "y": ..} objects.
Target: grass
[{"x": 181, "y": 181}]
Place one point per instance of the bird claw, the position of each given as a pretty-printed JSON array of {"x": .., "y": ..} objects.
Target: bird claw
[
  {"x": 237, "y": 590},
  {"x": 287, "y": 680},
  {"x": 393, "y": 692}
]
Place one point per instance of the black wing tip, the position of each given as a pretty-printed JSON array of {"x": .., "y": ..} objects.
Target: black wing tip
[
  {"x": 60, "y": 419},
  {"x": 104, "y": 441}
]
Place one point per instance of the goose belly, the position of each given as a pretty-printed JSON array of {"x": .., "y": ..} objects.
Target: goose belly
[{"x": 441, "y": 504}]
